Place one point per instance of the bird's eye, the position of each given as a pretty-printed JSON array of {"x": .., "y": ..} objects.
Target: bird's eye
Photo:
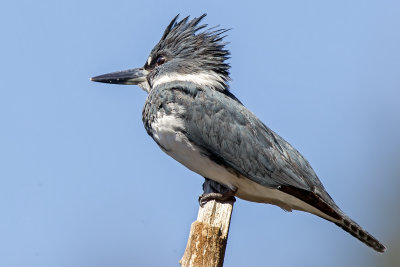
[{"x": 160, "y": 60}]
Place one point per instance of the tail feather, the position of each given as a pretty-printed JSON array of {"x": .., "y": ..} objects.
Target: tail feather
[{"x": 358, "y": 232}]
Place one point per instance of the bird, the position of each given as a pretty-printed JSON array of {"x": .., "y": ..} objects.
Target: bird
[{"x": 193, "y": 117}]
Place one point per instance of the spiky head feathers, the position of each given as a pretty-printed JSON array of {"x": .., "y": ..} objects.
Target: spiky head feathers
[{"x": 183, "y": 50}]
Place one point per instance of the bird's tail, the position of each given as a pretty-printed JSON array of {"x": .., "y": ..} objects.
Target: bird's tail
[
  {"x": 328, "y": 210},
  {"x": 358, "y": 232}
]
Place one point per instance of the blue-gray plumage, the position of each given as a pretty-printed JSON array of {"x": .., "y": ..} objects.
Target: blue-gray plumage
[{"x": 191, "y": 114}]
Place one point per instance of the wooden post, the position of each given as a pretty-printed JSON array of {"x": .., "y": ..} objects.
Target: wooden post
[{"x": 208, "y": 236}]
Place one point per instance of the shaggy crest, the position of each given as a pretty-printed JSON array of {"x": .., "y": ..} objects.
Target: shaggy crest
[{"x": 206, "y": 51}]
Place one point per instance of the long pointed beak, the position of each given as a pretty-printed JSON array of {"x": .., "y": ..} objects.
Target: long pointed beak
[{"x": 132, "y": 76}]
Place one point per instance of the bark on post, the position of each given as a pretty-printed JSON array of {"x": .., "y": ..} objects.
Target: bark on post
[{"x": 208, "y": 236}]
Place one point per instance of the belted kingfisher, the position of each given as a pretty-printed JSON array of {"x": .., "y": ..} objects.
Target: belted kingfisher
[{"x": 194, "y": 118}]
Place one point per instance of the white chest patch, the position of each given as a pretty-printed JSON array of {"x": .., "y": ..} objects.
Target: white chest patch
[
  {"x": 177, "y": 146},
  {"x": 166, "y": 127}
]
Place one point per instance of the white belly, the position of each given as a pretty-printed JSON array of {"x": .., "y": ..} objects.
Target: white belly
[{"x": 177, "y": 146}]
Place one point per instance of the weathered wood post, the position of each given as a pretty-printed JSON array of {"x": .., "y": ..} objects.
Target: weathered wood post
[{"x": 208, "y": 236}]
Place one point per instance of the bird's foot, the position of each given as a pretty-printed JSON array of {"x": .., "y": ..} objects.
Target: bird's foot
[
  {"x": 213, "y": 190},
  {"x": 220, "y": 197}
]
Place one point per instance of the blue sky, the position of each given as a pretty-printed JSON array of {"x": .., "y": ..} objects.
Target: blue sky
[{"x": 82, "y": 184}]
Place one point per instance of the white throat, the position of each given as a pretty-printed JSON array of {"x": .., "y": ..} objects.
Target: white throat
[
  {"x": 145, "y": 86},
  {"x": 209, "y": 79}
]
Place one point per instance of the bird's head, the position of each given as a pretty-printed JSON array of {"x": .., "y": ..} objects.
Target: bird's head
[{"x": 182, "y": 54}]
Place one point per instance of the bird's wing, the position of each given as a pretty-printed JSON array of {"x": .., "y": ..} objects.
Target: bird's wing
[{"x": 234, "y": 137}]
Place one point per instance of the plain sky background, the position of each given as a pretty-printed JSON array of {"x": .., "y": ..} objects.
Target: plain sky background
[{"x": 83, "y": 185}]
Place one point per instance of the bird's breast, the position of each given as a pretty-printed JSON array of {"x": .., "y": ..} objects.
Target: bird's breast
[{"x": 167, "y": 128}]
